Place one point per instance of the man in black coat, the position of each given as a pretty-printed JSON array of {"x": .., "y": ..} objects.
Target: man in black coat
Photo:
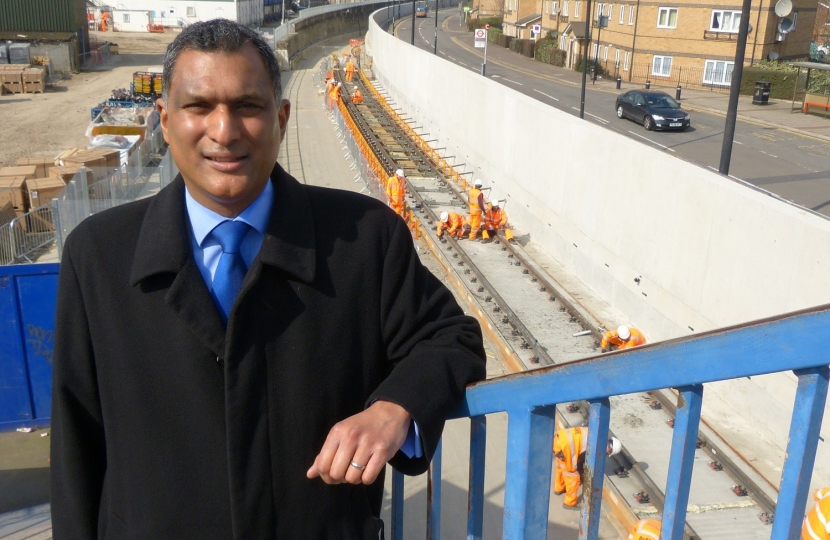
[{"x": 180, "y": 414}]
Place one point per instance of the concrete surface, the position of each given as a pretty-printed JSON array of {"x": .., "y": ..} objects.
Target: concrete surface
[{"x": 708, "y": 252}]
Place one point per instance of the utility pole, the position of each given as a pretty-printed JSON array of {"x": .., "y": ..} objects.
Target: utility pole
[
  {"x": 283, "y": 13},
  {"x": 412, "y": 40},
  {"x": 585, "y": 58},
  {"x": 734, "y": 91}
]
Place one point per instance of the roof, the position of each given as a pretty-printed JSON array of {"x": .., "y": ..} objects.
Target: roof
[
  {"x": 529, "y": 19},
  {"x": 37, "y": 36},
  {"x": 811, "y": 65},
  {"x": 576, "y": 29}
]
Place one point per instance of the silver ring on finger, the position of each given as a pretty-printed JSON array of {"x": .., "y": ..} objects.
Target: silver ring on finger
[{"x": 356, "y": 466}]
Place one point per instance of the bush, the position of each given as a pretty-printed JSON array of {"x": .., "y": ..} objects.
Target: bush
[
  {"x": 494, "y": 35},
  {"x": 522, "y": 46},
  {"x": 548, "y": 53},
  {"x": 783, "y": 81},
  {"x": 599, "y": 69},
  {"x": 473, "y": 24}
]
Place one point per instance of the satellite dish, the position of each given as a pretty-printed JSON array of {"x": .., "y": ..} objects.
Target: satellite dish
[
  {"x": 783, "y": 8},
  {"x": 555, "y": 11},
  {"x": 785, "y": 26},
  {"x": 773, "y": 56}
]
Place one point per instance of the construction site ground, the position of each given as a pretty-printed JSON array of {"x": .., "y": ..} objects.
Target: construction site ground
[{"x": 36, "y": 125}]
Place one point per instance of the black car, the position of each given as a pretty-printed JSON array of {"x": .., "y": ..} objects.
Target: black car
[{"x": 655, "y": 110}]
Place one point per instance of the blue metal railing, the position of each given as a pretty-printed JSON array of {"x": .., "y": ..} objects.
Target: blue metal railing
[{"x": 795, "y": 341}]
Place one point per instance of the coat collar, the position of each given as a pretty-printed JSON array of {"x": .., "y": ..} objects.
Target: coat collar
[{"x": 289, "y": 244}]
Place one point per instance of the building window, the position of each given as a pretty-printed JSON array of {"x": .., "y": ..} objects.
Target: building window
[
  {"x": 627, "y": 60},
  {"x": 598, "y": 12},
  {"x": 617, "y": 59},
  {"x": 605, "y": 54},
  {"x": 555, "y": 8},
  {"x": 595, "y": 52},
  {"x": 631, "y": 15},
  {"x": 126, "y": 17},
  {"x": 609, "y": 11},
  {"x": 661, "y": 66},
  {"x": 565, "y": 7},
  {"x": 667, "y": 18},
  {"x": 191, "y": 11},
  {"x": 622, "y": 13},
  {"x": 577, "y": 5},
  {"x": 718, "y": 72},
  {"x": 725, "y": 21}
]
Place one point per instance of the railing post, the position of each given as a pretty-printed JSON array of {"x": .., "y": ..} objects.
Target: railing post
[
  {"x": 529, "y": 463},
  {"x": 434, "y": 496},
  {"x": 56, "y": 223},
  {"x": 84, "y": 191},
  {"x": 684, "y": 443},
  {"x": 396, "y": 521},
  {"x": 475, "y": 493},
  {"x": 801, "y": 452},
  {"x": 594, "y": 476}
]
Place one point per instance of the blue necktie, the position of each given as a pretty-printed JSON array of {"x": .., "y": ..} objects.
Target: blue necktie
[{"x": 227, "y": 281}]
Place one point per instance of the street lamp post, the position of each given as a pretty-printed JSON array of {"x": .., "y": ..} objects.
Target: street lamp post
[
  {"x": 435, "y": 48},
  {"x": 584, "y": 58},
  {"x": 734, "y": 91},
  {"x": 412, "y": 40}
]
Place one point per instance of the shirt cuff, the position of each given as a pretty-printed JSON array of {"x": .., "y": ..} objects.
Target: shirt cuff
[{"x": 412, "y": 447}]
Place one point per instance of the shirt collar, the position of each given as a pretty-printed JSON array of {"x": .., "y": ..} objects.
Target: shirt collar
[{"x": 203, "y": 220}]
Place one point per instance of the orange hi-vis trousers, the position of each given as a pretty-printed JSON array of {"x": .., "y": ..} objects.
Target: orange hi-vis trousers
[
  {"x": 817, "y": 522},
  {"x": 645, "y": 529},
  {"x": 568, "y": 444}
]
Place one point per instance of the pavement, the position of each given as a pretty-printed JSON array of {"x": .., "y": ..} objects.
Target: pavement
[{"x": 778, "y": 113}]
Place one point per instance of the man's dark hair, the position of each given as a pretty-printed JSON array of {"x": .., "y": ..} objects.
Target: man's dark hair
[{"x": 219, "y": 35}]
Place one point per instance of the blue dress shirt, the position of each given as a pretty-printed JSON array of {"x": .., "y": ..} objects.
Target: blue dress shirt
[{"x": 207, "y": 251}]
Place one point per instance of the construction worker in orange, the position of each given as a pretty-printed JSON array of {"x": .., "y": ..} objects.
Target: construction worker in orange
[
  {"x": 569, "y": 447},
  {"x": 105, "y": 17},
  {"x": 475, "y": 199},
  {"x": 349, "y": 70},
  {"x": 645, "y": 529},
  {"x": 396, "y": 191},
  {"x": 334, "y": 95},
  {"x": 452, "y": 222},
  {"x": 817, "y": 521},
  {"x": 495, "y": 219},
  {"x": 357, "y": 96},
  {"x": 624, "y": 337}
]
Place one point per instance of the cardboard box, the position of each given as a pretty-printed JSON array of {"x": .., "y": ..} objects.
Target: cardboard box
[
  {"x": 12, "y": 80},
  {"x": 41, "y": 191},
  {"x": 80, "y": 157},
  {"x": 43, "y": 165},
  {"x": 64, "y": 174},
  {"x": 27, "y": 171},
  {"x": 12, "y": 191},
  {"x": 33, "y": 75},
  {"x": 33, "y": 88},
  {"x": 111, "y": 156}
]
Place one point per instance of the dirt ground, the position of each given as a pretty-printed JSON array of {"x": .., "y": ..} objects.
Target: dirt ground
[{"x": 36, "y": 125}]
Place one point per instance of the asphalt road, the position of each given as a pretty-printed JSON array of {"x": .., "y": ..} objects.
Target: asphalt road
[{"x": 793, "y": 166}]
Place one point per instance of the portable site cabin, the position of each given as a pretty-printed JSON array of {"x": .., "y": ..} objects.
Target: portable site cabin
[{"x": 129, "y": 20}]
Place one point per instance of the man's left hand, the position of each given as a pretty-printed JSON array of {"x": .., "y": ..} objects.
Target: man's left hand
[{"x": 369, "y": 439}]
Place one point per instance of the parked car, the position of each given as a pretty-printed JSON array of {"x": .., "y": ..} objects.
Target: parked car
[
  {"x": 421, "y": 12},
  {"x": 655, "y": 110}
]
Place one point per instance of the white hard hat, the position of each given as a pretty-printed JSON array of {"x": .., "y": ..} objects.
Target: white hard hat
[
  {"x": 340, "y": 84},
  {"x": 495, "y": 203},
  {"x": 355, "y": 88},
  {"x": 616, "y": 446},
  {"x": 445, "y": 217},
  {"x": 477, "y": 183},
  {"x": 399, "y": 172},
  {"x": 623, "y": 332}
]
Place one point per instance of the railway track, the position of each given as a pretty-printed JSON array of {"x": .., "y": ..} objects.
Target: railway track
[{"x": 534, "y": 323}]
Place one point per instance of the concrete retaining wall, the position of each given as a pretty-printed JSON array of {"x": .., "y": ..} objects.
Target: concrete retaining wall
[{"x": 708, "y": 251}]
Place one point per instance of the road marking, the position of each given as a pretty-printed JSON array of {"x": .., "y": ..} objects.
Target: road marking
[
  {"x": 602, "y": 120},
  {"x": 736, "y": 178},
  {"x": 494, "y": 76},
  {"x": 714, "y": 168},
  {"x": 463, "y": 64},
  {"x": 511, "y": 81},
  {"x": 652, "y": 142},
  {"x": 739, "y": 142},
  {"x": 442, "y": 52},
  {"x": 546, "y": 95},
  {"x": 451, "y": 58},
  {"x": 575, "y": 108}
]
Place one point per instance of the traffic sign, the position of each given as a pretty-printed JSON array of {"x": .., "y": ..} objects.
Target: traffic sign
[
  {"x": 537, "y": 29},
  {"x": 486, "y": 26},
  {"x": 481, "y": 38}
]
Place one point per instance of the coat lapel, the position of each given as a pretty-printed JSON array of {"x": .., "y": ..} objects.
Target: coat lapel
[{"x": 164, "y": 247}]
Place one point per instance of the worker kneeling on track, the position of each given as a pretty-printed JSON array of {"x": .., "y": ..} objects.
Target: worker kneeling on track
[
  {"x": 453, "y": 223},
  {"x": 624, "y": 337},
  {"x": 396, "y": 191},
  {"x": 476, "y": 202},
  {"x": 646, "y": 529},
  {"x": 817, "y": 521},
  {"x": 569, "y": 447},
  {"x": 495, "y": 219},
  {"x": 357, "y": 96}
]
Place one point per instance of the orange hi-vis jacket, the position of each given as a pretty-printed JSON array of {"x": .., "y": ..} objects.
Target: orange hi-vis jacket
[
  {"x": 568, "y": 445},
  {"x": 817, "y": 522},
  {"x": 357, "y": 96},
  {"x": 645, "y": 529},
  {"x": 455, "y": 225},
  {"x": 395, "y": 192},
  {"x": 495, "y": 219},
  {"x": 476, "y": 201},
  {"x": 611, "y": 337}
]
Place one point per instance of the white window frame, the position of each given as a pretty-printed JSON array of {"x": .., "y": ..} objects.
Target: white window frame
[
  {"x": 622, "y": 13},
  {"x": 598, "y": 11},
  {"x": 554, "y": 6},
  {"x": 667, "y": 11},
  {"x": 610, "y": 11},
  {"x": 627, "y": 60},
  {"x": 595, "y": 53},
  {"x": 617, "y": 59},
  {"x": 712, "y": 75},
  {"x": 577, "y": 7},
  {"x": 659, "y": 65},
  {"x": 631, "y": 10},
  {"x": 126, "y": 19},
  {"x": 605, "y": 54},
  {"x": 565, "y": 6},
  {"x": 191, "y": 11},
  {"x": 734, "y": 21}
]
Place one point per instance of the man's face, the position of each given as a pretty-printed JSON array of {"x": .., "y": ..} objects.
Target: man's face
[{"x": 223, "y": 126}]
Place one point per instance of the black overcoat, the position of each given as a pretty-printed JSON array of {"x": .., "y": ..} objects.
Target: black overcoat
[{"x": 168, "y": 426}]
